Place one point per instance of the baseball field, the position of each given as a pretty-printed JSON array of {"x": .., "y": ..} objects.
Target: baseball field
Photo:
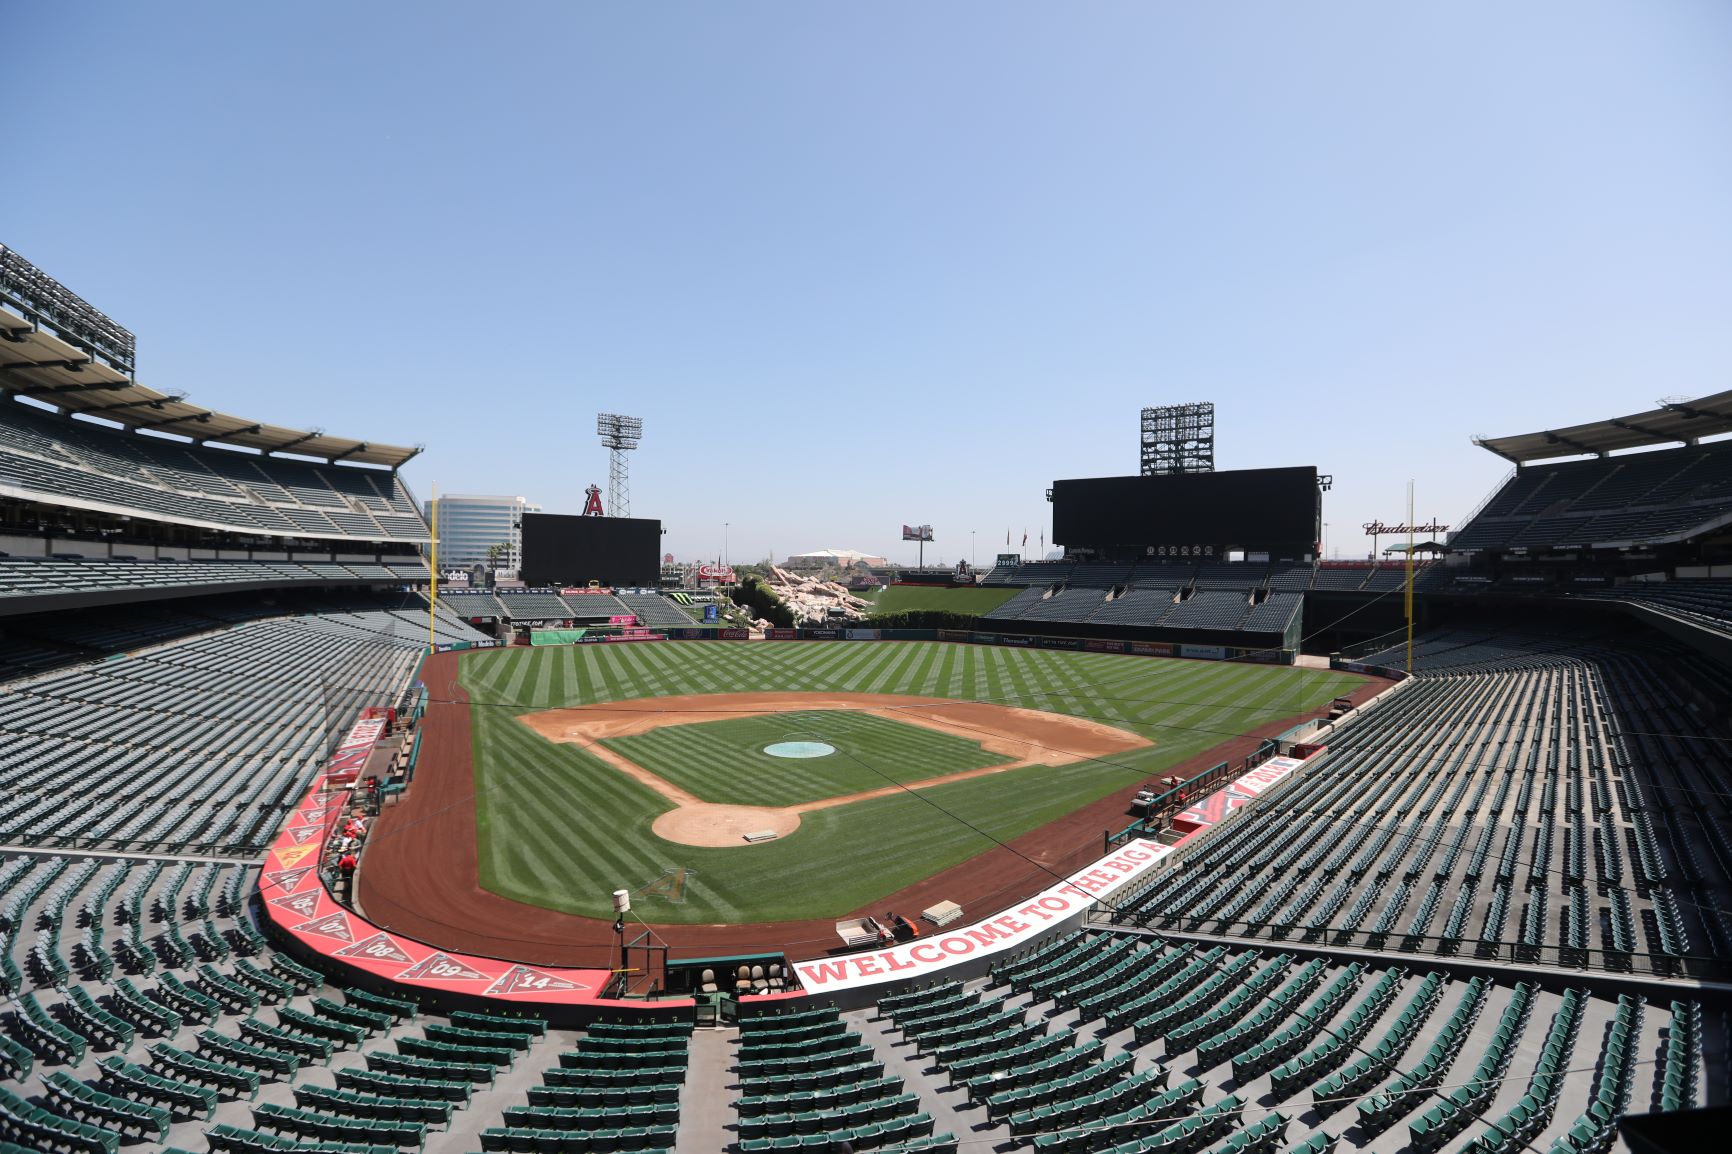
[
  {"x": 901, "y": 598},
  {"x": 643, "y": 767}
]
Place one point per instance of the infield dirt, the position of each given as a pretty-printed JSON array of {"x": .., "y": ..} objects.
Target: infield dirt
[{"x": 1025, "y": 736}]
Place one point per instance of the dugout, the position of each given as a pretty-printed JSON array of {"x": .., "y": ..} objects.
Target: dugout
[{"x": 734, "y": 976}]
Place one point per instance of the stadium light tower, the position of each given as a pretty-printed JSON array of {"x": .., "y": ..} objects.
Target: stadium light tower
[
  {"x": 1178, "y": 439},
  {"x": 621, "y": 435}
]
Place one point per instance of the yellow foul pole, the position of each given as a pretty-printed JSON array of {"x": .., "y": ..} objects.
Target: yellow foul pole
[
  {"x": 1410, "y": 578},
  {"x": 433, "y": 571}
]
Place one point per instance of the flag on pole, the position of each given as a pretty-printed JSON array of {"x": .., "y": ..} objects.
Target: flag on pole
[{"x": 1025, "y": 538}]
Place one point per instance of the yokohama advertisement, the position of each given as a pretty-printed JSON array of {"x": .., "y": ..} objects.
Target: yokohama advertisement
[{"x": 298, "y": 905}]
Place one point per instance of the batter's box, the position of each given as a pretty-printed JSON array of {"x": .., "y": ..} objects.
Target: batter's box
[{"x": 670, "y": 887}]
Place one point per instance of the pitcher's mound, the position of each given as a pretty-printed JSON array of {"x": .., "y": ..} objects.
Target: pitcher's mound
[{"x": 723, "y": 825}]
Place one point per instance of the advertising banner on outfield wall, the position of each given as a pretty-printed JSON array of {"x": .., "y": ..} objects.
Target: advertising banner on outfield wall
[
  {"x": 961, "y": 635},
  {"x": 861, "y": 634},
  {"x": 1369, "y": 670},
  {"x": 734, "y": 634},
  {"x": 1009, "y": 930},
  {"x": 1105, "y": 646},
  {"x": 1059, "y": 642},
  {"x": 1151, "y": 649},
  {"x": 821, "y": 634},
  {"x": 781, "y": 634},
  {"x": 1205, "y": 652}
]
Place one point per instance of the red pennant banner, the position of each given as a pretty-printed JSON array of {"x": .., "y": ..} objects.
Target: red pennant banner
[
  {"x": 332, "y": 925},
  {"x": 306, "y": 904},
  {"x": 285, "y": 880},
  {"x": 520, "y": 978},
  {"x": 442, "y": 968},
  {"x": 381, "y": 947}
]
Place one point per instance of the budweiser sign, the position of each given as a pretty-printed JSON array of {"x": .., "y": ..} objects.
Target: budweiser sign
[{"x": 1379, "y": 529}]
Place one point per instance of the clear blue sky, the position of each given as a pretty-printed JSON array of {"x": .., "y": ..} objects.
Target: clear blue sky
[{"x": 859, "y": 265}]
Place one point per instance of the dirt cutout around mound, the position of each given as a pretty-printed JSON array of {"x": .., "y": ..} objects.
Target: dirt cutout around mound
[{"x": 1026, "y": 736}]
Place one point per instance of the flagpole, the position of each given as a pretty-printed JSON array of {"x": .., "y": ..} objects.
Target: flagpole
[
  {"x": 433, "y": 572},
  {"x": 1410, "y": 578}
]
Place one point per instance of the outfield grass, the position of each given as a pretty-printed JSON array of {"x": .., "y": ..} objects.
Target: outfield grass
[
  {"x": 900, "y": 598},
  {"x": 561, "y": 829},
  {"x": 725, "y": 762}
]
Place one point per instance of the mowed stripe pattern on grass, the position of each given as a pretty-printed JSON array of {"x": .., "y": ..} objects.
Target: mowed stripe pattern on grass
[
  {"x": 902, "y": 598},
  {"x": 724, "y": 762},
  {"x": 559, "y": 828}
]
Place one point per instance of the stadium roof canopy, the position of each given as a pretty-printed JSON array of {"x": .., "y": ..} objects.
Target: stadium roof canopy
[
  {"x": 1674, "y": 422},
  {"x": 38, "y": 365}
]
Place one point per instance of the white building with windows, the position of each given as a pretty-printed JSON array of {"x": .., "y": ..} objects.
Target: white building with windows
[
  {"x": 832, "y": 558},
  {"x": 470, "y": 526}
]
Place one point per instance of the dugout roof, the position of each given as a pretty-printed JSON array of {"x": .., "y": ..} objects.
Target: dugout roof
[
  {"x": 39, "y": 365},
  {"x": 1674, "y": 422}
]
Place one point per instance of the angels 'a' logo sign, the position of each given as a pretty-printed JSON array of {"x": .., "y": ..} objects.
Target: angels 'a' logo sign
[
  {"x": 285, "y": 879},
  {"x": 332, "y": 925},
  {"x": 305, "y": 833},
  {"x": 523, "y": 978},
  {"x": 671, "y": 886},
  {"x": 313, "y": 815},
  {"x": 441, "y": 968},
  {"x": 592, "y": 502},
  {"x": 302, "y": 904},
  {"x": 378, "y": 948}
]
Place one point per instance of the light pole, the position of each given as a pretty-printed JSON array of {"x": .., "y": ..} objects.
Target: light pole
[
  {"x": 724, "y": 544},
  {"x": 972, "y": 558}
]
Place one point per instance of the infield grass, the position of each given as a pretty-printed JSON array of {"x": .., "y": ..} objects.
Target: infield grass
[
  {"x": 559, "y": 828},
  {"x": 724, "y": 761}
]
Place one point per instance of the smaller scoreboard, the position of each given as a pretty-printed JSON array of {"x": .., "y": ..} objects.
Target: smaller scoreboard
[{"x": 559, "y": 549}]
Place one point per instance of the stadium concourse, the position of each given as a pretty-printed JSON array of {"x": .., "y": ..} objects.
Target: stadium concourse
[{"x": 1490, "y": 915}]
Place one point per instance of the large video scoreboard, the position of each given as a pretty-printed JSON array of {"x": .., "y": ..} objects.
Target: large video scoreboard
[
  {"x": 564, "y": 550},
  {"x": 1273, "y": 511}
]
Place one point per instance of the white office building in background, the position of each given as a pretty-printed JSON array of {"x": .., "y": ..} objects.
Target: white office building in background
[{"x": 470, "y": 526}]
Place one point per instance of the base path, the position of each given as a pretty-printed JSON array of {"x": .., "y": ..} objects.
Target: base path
[
  {"x": 422, "y": 871},
  {"x": 1024, "y": 736}
]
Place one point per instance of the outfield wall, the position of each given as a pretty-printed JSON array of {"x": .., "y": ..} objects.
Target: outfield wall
[{"x": 1258, "y": 654}]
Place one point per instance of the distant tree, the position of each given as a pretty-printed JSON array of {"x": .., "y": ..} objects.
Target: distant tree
[{"x": 754, "y": 594}]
